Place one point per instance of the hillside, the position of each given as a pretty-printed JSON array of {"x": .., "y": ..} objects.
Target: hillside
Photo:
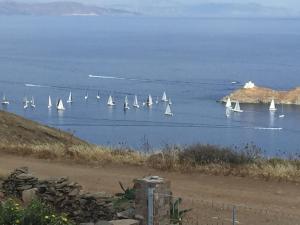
[
  {"x": 265, "y": 95},
  {"x": 62, "y": 8},
  {"x": 19, "y": 131}
]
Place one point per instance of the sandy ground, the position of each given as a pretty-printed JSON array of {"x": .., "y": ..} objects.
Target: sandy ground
[{"x": 257, "y": 202}]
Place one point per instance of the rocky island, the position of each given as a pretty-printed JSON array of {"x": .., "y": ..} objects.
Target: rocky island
[{"x": 250, "y": 93}]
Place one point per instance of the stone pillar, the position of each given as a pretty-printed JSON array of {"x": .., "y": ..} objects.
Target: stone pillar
[{"x": 154, "y": 190}]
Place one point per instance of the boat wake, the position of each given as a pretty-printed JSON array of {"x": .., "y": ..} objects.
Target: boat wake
[
  {"x": 109, "y": 77},
  {"x": 268, "y": 128},
  {"x": 34, "y": 85}
]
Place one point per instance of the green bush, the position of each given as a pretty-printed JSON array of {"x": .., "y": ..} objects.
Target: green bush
[{"x": 37, "y": 213}]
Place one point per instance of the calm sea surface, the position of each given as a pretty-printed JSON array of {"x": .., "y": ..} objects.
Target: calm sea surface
[{"x": 193, "y": 60}]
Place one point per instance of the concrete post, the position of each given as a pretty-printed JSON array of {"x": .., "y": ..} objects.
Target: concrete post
[{"x": 153, "y": 197}]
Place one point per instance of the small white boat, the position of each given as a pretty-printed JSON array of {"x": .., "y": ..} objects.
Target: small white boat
[
  {"x": 272, "y": 106},
  {"x": 281, "y": 115},
  {"x": 164, "y": 97},
  {"x": 32, "y": 103},
  {"x": 60, "y": 105},
  {"x": 4, "y": 101},
  {"x": 170, "y": 102},
  {"x": 49, "y": 102},
  {"x": 126, "y": 104},
  {"x": 168, "y": 111},
  {"x": 237, "y": 107},
  {"x": 98, "y": 95},
  {"x": 110, "y": 101},
  {"x": 149, "y": 101},
  {"x": 228, "y": 104},
  {"x": 25, "y": 104},
  {"x": 86, "y": 96},
  {"x": 70, "y": 99},
  {"x": 135, "y": 102}
]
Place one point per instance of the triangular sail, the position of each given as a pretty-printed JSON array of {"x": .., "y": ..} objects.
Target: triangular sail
[
  {"x": 149, "y": 100},
  {"x": 237, "y": 106},
  {"x": 98, "y": 95},
  {"x": 110, "y": 101},
  {"x": 135, "y": 102},
  {"x": 86, "y": 96},
  {"x": 164, "y": 97},
  {"x": 49, "y": 102},
  {"x": 32, "y": 102},
  {"x": 168, "y": 111},
  {"x": 126, "y": 104},
  {"x": 70, "y": 99},
  {"x": 228, "y": 103},
  {"x": 60, "y": 105},
  {"x": 272, "y": 106}
]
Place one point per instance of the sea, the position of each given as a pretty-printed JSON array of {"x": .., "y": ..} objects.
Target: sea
[{"x": 196, "y": 61}]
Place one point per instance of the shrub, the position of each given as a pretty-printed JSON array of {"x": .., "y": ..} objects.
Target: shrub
[{"x": 36, "y": 213}]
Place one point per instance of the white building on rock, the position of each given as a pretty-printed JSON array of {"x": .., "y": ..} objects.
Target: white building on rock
[{"x": 249, "y": 85}]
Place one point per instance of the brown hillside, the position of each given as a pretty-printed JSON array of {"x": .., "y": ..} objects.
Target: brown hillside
[
  {"x": 265, "y": 95},
  {"x": 17, "y": 130}
]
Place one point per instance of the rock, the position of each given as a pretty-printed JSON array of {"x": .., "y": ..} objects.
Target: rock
[
  {"x": 103, "y": 222},
  {"x": 127, "y": 214},
  {"x": 125, "y": 222},
  {"x": 29, "y": 195}
]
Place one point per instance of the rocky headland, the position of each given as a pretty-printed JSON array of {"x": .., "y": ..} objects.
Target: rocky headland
[{"x": 253, "y": 94}]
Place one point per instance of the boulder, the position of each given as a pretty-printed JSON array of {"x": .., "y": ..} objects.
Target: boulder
[
  {"x": 29, "y": 195},
  {"x": 124, "y": 222}
]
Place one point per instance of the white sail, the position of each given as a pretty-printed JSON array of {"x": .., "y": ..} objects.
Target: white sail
[
  {"x": 135, "y": 102},
  {"x": 168, "y": 111},
  {"x": 237, "y": 107},
  {"x": 170, "y": 102},
  {"x": 86, "y": 96},
  {"x": 149, "y": 100},
  {"x": 110, "y": 101},
  {"x": 164, "y": 97},
  {"x": 272, "y": 106},
  {"x": 70, "y": 99},
  {"x": 98, "y": 95},
  {"x": 32, "y": 102},
  {"x": 126, "y": 104},
  {"x": 25, "y": 104},
  {"x": 60, "y": 105},
  {"x": 4, "y": 100},
  {"x": 228, "y": 103},
  {"x": 49, "y": 102}
]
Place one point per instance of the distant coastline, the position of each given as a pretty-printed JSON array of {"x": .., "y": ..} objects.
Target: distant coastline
[{"x": 253, "y": 94}]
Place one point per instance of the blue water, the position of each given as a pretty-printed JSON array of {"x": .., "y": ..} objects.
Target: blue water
[{"x": 193, "y": 60}]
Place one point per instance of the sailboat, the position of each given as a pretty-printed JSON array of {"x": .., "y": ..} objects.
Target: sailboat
[
  {"x": 126, "y": 105},
  {"x": 70, "y": 99},
  {"x": 228, "y": 104},
  {"x": 4, "y": 101},
  {"x": 60, "y": 105},
  {"x": 32, "y": 103},
  {"x": 170, "y": 102},
  {"x": 149, "y": 100},
  {"x": 156, "y": 102},
  {"x": 164, "y": 97},
  {"x": 98, "y": 95},
  {"x": 168, "y": 111},
  {"x": 281, "y": 115},
  {"x": 86, "y": 96},
  {"x": 49, "y": 102},
  {"x": 135, "y": 102},
  {"x": 110, "y": 101},
  {"x": 25, "y": 105},
  {"x": 237, "y": 107},
  {"x": 272, "y": 106}
]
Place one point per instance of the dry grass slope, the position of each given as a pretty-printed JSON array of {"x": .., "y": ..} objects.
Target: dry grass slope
[{"x": 23, "y": 137}]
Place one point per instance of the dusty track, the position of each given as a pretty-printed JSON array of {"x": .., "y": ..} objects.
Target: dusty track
[{"x": 260, "y": 202}]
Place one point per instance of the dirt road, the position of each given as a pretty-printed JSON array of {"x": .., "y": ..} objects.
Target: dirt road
[{"x": 211, "y": 197}]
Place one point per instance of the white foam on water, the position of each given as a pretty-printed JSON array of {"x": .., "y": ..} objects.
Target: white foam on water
[{"x": 34, "y": 85}]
